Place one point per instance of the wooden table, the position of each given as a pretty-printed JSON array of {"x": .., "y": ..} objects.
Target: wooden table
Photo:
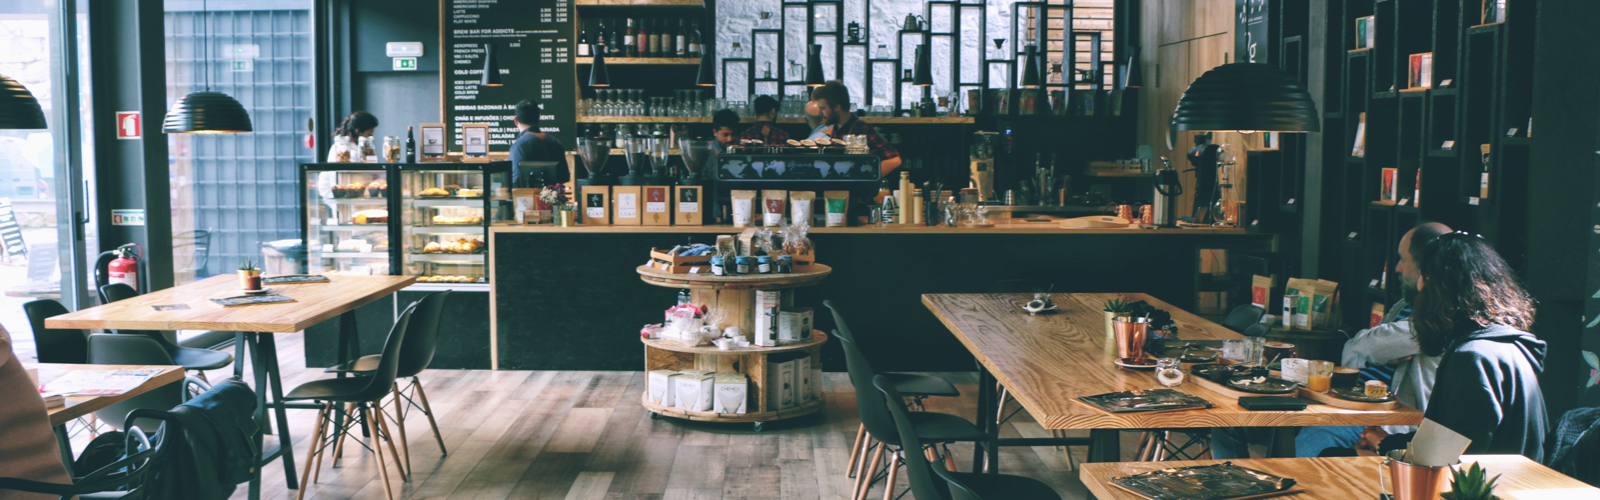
[
  {"x": 78, "y": 406},
  {"x": 1356, "y": 477},
  {"x": 1048, "y": 361},
  {"x": 254, "y": 325}
]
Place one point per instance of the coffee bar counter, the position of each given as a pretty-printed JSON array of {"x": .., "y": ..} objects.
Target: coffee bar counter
[{"x": 570, "y": 298}]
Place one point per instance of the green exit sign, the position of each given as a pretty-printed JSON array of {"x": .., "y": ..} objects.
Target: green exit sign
[
  {"x": 405, "y": 64},
  {"x": 242, "y": 65}
]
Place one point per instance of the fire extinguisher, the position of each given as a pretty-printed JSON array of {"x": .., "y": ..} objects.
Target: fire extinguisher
[{"x": 125, "y": 267}]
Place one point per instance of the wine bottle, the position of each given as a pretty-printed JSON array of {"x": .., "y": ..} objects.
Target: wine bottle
[
  {"x": 411, "y": 146},
  {"x": 583, "y": 42},
  {"x": 668, "y": 39},
  {"x": 694, "y": 39},
  {"x": 614, "y": 45},
  {"x": 679, "y": 47},
  {"x": 641, "y": 42},
  {"x": 629, "y": 43},
  {"x": 655, "y": 39}
]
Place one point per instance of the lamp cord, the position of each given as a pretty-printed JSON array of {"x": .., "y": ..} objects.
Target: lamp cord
[{"x": 205, "y": 49}]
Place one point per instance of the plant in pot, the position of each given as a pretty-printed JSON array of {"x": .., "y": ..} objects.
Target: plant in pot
[
  {"x": 1471, "y": 484},
  {"x": 249, "y": 275},
  {"x": 555, "y": 195},
  {"x": 1116, "y": 308}
]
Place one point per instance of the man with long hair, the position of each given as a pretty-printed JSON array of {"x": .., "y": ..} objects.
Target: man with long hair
[{"x": 1472, "y": 311}]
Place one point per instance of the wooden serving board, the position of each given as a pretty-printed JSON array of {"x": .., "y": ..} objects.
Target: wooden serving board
[{"x": 1331, "y": 400}]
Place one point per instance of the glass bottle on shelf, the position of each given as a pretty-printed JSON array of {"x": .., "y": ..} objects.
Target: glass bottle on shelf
[
  {"x": 668, "y": 38},
  {"x": 614, "y": 47},
  {"x": 694, "y": 39},
  {"x": 411, "y": 145},
  {"x": 679, "y": 44},
  {"x": 641, "y": 40},
  {"x": 583, "y": 41},
  {"x": 629, "y": 40}
]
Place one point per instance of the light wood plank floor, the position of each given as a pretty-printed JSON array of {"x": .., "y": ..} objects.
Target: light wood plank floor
[{"x": 580, "y": 435}]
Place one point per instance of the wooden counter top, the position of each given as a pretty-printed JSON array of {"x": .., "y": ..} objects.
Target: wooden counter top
[{"x": 999, "y": 228}]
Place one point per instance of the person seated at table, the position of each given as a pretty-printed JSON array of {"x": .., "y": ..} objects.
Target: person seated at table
[
  {"x": 766, "y": 128},
  {"x": 814, "y": 120},
  {"x": 723, "y": 123},
  {"x": 1472, "y": 311},
  {"x": 1389, "y": 351},
  {"x": 27, "y": 444}
]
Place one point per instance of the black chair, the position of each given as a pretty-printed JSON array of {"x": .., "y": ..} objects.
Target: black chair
[
  {"x": 956, "y": 485},
  {"x": 1242, "y": 317},
  {"x": 931, "y": 428},
  {"x": 106, "y": 349},
  {"x": 422, "y": 337},
  {"x": 362, "y": 394},
  {"x": 913, "y": 385},
  {"x": 128, "y": 478},
  {"x": 188, "y": 357},
  {"x": 55, "y": 345}
]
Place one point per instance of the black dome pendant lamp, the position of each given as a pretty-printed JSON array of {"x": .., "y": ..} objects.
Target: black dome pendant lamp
[
  {"x": 19, "y": 110},
  {"x": 491, "y": 67},
  {"x": 206, "y": 112},
  {"x": 1246, "y": 97}
]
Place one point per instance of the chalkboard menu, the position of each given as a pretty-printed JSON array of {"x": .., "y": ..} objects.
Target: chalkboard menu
[{"x": 533, "y": 44}]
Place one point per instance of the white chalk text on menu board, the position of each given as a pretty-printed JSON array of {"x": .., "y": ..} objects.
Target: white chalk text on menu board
[{"x": 533, "y": 40}]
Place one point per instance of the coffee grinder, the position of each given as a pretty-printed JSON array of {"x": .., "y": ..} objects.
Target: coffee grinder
[
  {"x": 594, "y": 153},
  {"x": 982, "y": 163},
  {"x": 635, "y": 150},
  {"x": 695, "y": 154}
]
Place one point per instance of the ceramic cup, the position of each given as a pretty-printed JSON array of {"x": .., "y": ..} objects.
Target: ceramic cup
[
  {"x": 1346, "y": 377},
  {"x": 1278, "y": 350}
]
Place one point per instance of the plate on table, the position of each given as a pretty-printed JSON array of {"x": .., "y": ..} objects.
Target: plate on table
[
  {"x": 1136, "y": 363},
  {"x": 264, "y": 290},
  {"x": 1199, "y": 356},
  {"x": 1359, "y": 395},
  {"x": 1262, "y": 385},
  {"x": 1221, "y": 373}
]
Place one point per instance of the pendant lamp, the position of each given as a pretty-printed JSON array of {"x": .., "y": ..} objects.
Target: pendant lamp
[
  {"x": 1133, "y": 75},
  {"x": 19, "y": 110},
  {"x": 206, "y": 112},
  {"x": 598, "y": 76},
  {"x": 707, "y": 76},
  {"x": 491, "y": 67},
  {"x": 1030, "y": 67},
  {"x": 814, "y": 66},
  {"x": 1246, "y": 97},
  {"x": 923, "y": 75}
]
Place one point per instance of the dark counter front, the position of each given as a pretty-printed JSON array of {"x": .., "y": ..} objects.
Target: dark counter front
[{"x": 583, "y": 310}]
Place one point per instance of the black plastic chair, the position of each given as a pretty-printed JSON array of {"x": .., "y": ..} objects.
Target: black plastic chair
[
  {"x": 422, "y": 338},
  {"x": 1242, "y": 317},
  {"x": 930, "y": 428},
  {"x": 55, "y": 345},
  {"x": 106, "y": 349},
  {"x": 126, "y": 479},
  {"x": 188, "y": 357},
  {"x": 913, "y": 385},
  {"x": 956, "y": 485},
  {"x": 361, "y": 393}
]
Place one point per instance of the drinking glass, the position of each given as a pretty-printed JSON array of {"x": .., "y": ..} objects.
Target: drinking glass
[
  {"x": 1168, "y": 372},
  {"x": 1319, "y": 375}
]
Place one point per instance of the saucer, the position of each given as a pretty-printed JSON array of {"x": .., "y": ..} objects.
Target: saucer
[
  {"x": 1136, "y": 363},
  {"x": 263, "y": 290}
]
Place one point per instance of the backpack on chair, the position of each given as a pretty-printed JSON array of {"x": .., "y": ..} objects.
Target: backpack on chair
[{"x": 220, "y": 428}]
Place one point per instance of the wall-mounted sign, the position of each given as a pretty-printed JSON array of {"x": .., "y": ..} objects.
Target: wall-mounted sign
[
  {"x": 534, "y": 41},
  {"x": 127, "y": 216},
  {"x": 405, "y": 64},
  {"x": 241, "y": 65},
  {"x": 128, "y": 125}
]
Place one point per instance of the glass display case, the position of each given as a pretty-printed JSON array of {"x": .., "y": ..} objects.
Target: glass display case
[
  {"x": 346, "y": 222},
  {"x": 445, "y": 213}
]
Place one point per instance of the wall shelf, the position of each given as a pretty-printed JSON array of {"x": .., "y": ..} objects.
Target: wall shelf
[
  {"x": 675, "y": 61},
  {"x": 884, "y": 120},
  {"x": 639, "y": 3}
]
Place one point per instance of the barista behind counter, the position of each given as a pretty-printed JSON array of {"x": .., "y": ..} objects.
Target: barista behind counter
[
  {"x": 533, "y": 145},
  {"x": 832, "y": 99}
]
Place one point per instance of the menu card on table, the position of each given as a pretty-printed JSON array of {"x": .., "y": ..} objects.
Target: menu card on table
[
  {"x": 98, "y": 382},
  {"x": 1205, "y": 482},
  {"x": 250, "y": 300},
  {"x": 1151, "y": 400}
]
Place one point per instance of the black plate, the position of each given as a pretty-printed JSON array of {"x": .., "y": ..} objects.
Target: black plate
[
  {"x": 1199, "y": 356},
  {"x": 1359, "y": 395},
  {"x": 1269, "y": 386},
  {"x": 1221, "y": 373}
]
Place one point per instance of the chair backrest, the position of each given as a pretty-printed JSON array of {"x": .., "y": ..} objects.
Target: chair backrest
[
  {"x": 1243, "y": 316},
  {"x": 107, "y": 349},
  {"x": 841, "y": 329},
  {"x": 1018, "y": 286},
  {"x": 55, "y": 345},
  {"x": 117, "y": 291},
  {"x": 923, "y": 486},
  {"x": 388, "y": 362},
  {"x": 102, "y": 270},
  {"x": 869, "y": 402},
  {"x": 135, "y": 475},
  {"x": 422, "y": 335}
]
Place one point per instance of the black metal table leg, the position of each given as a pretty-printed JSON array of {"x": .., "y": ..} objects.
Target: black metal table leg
[
  {"x": 989, "y": 449},
  {"x": 269, "y": 351},
  {"x": 258, "y": 372},
  {"x": 1106, "y": 445}
]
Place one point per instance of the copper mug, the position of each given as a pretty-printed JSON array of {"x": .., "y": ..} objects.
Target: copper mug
[
  {"x": 1278, "y": 351},
  {"x": 1130, "y": 334},
  {"x": 1411, "y": 481}
]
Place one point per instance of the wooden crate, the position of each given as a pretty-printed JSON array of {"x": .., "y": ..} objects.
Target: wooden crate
[{"x": 676, "y": 264}]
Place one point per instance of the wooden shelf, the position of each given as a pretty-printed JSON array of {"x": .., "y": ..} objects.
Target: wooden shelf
[
  {"x": 677, "y": 61},
  {"x": 618, "y": 151},
  {"x": 883, "y": 120},
  {"x": 1113, "y": 173},
  {"x": 806, "y": 408},
  {"x": 735, "y": 282},
  {"x": 817, "y": 339},
  {"x": 639, "y": 3}
]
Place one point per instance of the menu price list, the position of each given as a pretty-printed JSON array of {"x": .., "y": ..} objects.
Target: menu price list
[{"x": 533, "y": 42}]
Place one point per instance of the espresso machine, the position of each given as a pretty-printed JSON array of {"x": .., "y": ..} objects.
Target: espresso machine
[{"x": 982, "y": 162}]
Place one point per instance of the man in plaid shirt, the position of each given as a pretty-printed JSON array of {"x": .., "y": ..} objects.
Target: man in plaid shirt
[
  {"x": 765, "y": 129},
  {"x": 833, "y": 97}
]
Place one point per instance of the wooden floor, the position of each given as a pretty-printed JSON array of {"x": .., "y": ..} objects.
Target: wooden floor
[{"x": 583, "y": 435}]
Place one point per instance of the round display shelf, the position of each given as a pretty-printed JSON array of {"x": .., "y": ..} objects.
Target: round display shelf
[{"x": 735, "y": 282}]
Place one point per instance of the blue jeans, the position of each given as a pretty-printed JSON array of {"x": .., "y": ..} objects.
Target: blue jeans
[{"x": 1234, "y": 442}]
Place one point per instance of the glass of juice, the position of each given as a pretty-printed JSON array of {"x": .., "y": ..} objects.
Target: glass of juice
[{"x": 1320, "y": 376}]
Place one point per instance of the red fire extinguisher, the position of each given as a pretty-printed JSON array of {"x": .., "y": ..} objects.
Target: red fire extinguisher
[{"x": 125, "y": 268}]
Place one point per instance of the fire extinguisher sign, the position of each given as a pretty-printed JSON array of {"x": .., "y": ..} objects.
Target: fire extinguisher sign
[
  {"x": 128, "y": 125},
  {"x": 127, "y": 216}
]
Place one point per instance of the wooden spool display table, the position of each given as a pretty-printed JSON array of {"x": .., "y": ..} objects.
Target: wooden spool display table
[{"x": 734, "y": 296}]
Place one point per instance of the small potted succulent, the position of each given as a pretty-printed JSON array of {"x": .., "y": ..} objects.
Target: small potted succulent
[
  {"x": 249, "y": 275},
  {"x": 1471, "y": 484},
  {"x": 1116, "y": 308}
]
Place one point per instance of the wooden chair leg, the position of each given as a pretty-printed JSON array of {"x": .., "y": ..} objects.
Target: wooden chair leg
[
  {"x": 338, "y": 446},
  {"x": 864, "y": 481},
  {"x": 312, "y": 450},
  {"x": 855, "y": 451},
  {"x": 388, "y": 439},
  {"x": 428, "y": 410},
  {"x": 316, "y": 470},
  {"x": 1000, "y": 410},
  {"x": 950, "y": 459},
  {"x": 400, "y": 425},
  {"x": 894, "y": 473},
  {"x": 383, "y": 470}
]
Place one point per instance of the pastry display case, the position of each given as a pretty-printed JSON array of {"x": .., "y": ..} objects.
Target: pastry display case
[
  {"x": 346, "y": 219},
  {"x": 445, "y": 212}
]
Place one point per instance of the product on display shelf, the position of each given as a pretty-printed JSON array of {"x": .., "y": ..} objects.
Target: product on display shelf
[
  {"x": 659, "y": 387},
  {"x": 780, "y": 383},
  {"x": 693, "y": 390},
  {"x": 626, "y": 209},
  {"x": 732, "y": 393},
  {"x": 766, "y": 320},
  {"x": 656, "y": 200},
  {"x": 794, "y": 325},
  {"x": 837, "y": 206},
  {"x": 772, "y": 206},
  {"x": 801, "y": 207},
  {"x": 803, "y": 381},
  {"x": 743, "y": 207}
]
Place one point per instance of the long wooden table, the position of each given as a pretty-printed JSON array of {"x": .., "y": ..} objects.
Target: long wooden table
[
  {"x": 79, "y": 406},
  {"x": 1048, "y": 361},
  {"x": 254, "y": 326},
  {"x": 1356, "y": 477}
]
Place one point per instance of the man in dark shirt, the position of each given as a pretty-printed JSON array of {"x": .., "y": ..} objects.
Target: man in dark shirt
[
  {"x": 534, "y": 145},
  {"x": 766, "y": 129},
  {"x": 723, "y": 124},
  {"x": 833, "y": 98}
]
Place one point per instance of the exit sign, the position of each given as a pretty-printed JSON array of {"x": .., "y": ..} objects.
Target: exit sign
[
  {"x": 405, "y": 64},
  {"x": 242, "y": 65}
]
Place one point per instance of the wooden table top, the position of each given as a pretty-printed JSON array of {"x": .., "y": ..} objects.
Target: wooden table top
[
  {"x": 78, "y": 406},
  {"x": 1356, "y": 477},
  {"x": 1048, "y": 361},
  {"x": 314, "y": 303}
]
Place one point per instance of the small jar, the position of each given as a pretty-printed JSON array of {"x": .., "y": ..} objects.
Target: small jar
[
  {"x": 785, "y": 264},
  {"x": 1168, "y": 372},
  {"x": 742, "y": 265},
  {"x": 716, "y": 266},
  {"x": 369, "y": 152},
  {"x": 764, "y": 265}
]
